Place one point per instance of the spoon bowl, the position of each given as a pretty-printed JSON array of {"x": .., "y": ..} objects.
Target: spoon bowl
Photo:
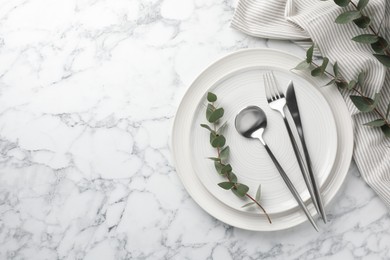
[{"x": 251, "y": 122}]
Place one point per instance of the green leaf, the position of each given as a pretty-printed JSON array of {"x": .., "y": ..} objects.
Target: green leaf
[
  {"x": 207, "y": 127},
  {"x": 351, "y": 84},
  {"x": 380, "y": 45},
  {"x": 232, "y": 177},
  {"x": 211, "y": 97},
  {"x": 376, "y": 123},
  {"x": 388, "y": 111},
  {"x": 224, "y": 155},
  {"x": 218, "y": 166},
  {"x": 222, "y": 128},
  {"x": 210, "y": 109},
  {"x": 218, "y": 141},
  {"x": 214, "y": 159},
  {"x": 324, "y": 63},
  {"x": 362, "y": 4},
  {"x": 366, "y": 38},
  {"x": 362, "y": 22},
  {"x": 384, "y": 59},
  {"x": 361, "y": 78},
  {"x": 336, "y": 69},
  {"x": 216, "y": 115},
  {"x": 386, "y": 130},
  {"x": 342, "y": 3},
  {"x": 330, "y": 82},
  {"x": 212, "y": 137},
  {"x": 240, "y": 189},
  {"x": 302, "y": 65},
  {"x": 342, "y": 84},
  {"x": 309, "y": 54},
  {"x": 226, "y": 185},
  {"x": 226, "y": 169},
  {"x": 377, "y": 99},
  {"x": 363, "y": 104},
  {"x": 258, "y": 193},
  {"x": 348, "y": 17},
  {"x": 248, "y": 204},
  {"x": 316, "y": 72}
]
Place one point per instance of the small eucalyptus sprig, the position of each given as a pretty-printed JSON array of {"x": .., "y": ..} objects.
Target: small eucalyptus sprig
[
  {"x": 361, "y": 101},
  {"x": 218, "y": 141},
  {"x": 357, "y": 16}
]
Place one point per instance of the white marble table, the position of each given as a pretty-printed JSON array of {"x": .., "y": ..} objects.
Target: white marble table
[{"x": 88, "y": 92}]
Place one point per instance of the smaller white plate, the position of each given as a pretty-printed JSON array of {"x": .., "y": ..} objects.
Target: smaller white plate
[{"x": 249, "y": 159}]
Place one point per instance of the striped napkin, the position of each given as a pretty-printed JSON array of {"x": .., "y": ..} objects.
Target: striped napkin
[{"x": 305, "y": 20}]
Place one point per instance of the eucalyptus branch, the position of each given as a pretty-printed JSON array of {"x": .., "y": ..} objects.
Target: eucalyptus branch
[
  {"x": 218, "y": 141},
  {"x": 361, "y": 101},
  {"x": 379, "y": 44}
]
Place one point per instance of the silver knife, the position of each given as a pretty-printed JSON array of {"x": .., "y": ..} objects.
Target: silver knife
[{"x": 292, "y": 106}]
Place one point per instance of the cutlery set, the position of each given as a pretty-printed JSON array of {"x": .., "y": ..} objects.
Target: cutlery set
[{"x": 251, "y": 122}]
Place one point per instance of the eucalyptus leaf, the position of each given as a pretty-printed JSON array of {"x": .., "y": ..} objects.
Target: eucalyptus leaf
[
  {"x": 210, "y": 109},
  {"x": 330, "y": 82},
  {"x": 258, "y": 193},
  {"x": 361, "y": 78},
  {"x": 214, "y": 159},
  {"x": 309, "y": 54},
  {"x": 324, "y": 63},
  {"x": 248, "y": 204},
  {"x": 207, "y": 127},
  {"x": 386, "y": 130},
  {"x": 232, "y": 177},
  {"x": 380, "y": 45},
  {"x": 376, "y": 123},
  {"x": 351, "y": 84},
  {"x": 341, "y": 84},
  {"x": 212, "y": 137},
  {"x": 302, "y": 65},
  {"x": 388, "y": 111},
  {"x": 216, "y": 115},
  {"x": 317, "y": 72},
  {"x": 362, "y": 4},
  {"x": 384, "y": 59},
  {"x": 226, "y": 169},
  {"x": 226, "y": 185},
  {"x": 342, "y": 3},
  {"x": 211, "y": 97},
  {"x": 362, "y": 22},
  {"x": 347, "y": 17},
  {"x": 363, "y": 104},
  {"x": 240, "y": 189},
  {"x": 218, "y": 141},
  {"x": 218, "y": 166},
  {"x": 336, "y": 69},
  {"x": 224, "y": 155},
  {"x": 222, "y": 128},
  {"x": 366, "y": 38}
]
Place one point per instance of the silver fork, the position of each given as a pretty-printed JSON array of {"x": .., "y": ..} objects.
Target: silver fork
[{"x": 277, "y": 101}]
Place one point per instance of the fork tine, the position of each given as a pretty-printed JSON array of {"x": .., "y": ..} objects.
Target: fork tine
[
  {"x": 266, "y": 86},
  {"x": 278, "y": 90},
  {"x": 274, "y": 85}
]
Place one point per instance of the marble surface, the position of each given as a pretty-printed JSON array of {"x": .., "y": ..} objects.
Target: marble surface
[{"x": 88, "y": 92}]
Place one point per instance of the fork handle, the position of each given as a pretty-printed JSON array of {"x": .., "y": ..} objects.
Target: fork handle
[
  {"x": 291, "y": 187},
  {"x": 302, "y": 166}
]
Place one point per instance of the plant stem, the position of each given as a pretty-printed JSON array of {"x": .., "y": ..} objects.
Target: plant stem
[
  {"x": 247, "y": 195},
  {"x": 383, "y": 117},
  {"x": 258, "y": 204}
]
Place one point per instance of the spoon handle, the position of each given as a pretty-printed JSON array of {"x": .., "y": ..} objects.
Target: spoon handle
[{"x": 291, "y": 187}]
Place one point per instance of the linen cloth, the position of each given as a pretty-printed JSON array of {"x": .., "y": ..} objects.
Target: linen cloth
[{"x": 306, "y": 20}]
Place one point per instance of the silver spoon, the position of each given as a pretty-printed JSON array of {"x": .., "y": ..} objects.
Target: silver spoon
[{"x": 251, "y": 123}]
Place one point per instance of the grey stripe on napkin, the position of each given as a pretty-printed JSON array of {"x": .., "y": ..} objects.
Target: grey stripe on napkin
[{"x": 301, "y": 20}]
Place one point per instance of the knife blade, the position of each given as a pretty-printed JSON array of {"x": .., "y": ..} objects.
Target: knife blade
[{"x": 292, "y": 106}]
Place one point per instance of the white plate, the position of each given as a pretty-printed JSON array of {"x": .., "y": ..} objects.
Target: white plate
[
  {"x": 183, "y": 125},
  {"x": 251, "y": 163}
]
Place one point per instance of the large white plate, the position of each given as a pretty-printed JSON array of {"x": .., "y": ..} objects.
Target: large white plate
[
  {"x": 250, "y": 161},
  {"x": 183, "y": 125}
]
